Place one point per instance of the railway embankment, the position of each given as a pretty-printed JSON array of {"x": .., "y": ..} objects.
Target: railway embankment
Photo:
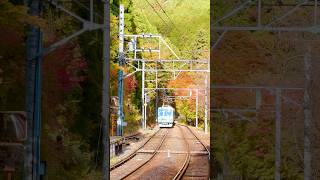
[{"x": 133, "y": 144}]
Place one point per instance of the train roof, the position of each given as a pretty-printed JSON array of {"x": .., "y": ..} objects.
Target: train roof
[{"x": 166, "y": 106}]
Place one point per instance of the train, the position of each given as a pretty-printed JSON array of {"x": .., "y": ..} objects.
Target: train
[{"x": 166, "y": 116}]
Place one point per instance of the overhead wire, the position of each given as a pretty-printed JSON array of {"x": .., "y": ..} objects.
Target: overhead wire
[
  {"x": 154, "y": 9},
  {"x": 156, "y": 12},
  {"x": 166, "y": 14},
  {"x": 168, "y": 17},
  {"x": 164, "y": 11}
]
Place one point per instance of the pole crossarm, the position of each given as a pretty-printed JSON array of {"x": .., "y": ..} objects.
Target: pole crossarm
[
  {"x": 178, "y": 89},
  {"x": 236, "y": 112},
  {"x": 169, "y": 60},
  {"x": 192, "y": 65},
  {"x": 176, "y": 70},
  {"x": 270, "y": 89},
  {"x": 233, "y": 12},
  {"x": 86, "y": 26},
  {"x": 312, "y": 29},
  {"x": 218, "y": 24},
  {"x": 143, "y": 35},
  {"x": 255, "y": 87}
]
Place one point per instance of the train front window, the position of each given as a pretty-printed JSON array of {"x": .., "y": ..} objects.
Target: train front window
[{"x": 161, "y": 113}]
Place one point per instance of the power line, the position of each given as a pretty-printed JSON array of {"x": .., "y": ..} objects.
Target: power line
[
  {"x": 154, "y": 9},
  {"x": 169, "y": 19},
  {"x": 166, "y": 14},
  {"x": 156, "y": 12}
]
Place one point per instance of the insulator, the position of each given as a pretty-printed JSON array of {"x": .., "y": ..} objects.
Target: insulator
[{"x": 130, "y": 46}]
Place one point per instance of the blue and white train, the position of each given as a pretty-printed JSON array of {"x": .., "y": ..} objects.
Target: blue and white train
[{"x": 165, "y": 116}]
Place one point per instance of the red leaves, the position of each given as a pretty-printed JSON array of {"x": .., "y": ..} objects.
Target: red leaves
[
  {"x": 68, "y": 67},
  {"x": 9, "y": 37},
  {"x": 63, "y": 79},
  {"x": 130, "y": 83}
]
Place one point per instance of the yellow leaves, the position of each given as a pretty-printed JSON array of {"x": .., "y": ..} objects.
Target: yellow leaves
[
  {"x": 36, "y": 21},
  {"x": 16, "y": 16}
]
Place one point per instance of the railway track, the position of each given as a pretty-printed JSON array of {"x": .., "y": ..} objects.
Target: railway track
[
  {"x": 197, "y": 165},
  {"x": 204, "y": 146},
  {"x": 187, "y": 160},
  {"x": 154, "y": 153},
  {"x": 176, "y": 156},
  {"x": 132, "y": 154}
]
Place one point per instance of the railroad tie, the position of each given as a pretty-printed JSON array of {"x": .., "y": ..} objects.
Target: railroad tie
[{"x": 192, "y": 153}]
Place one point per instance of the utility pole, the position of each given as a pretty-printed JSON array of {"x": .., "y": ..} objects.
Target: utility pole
[
  {"x": 156, "y": 106},
  {"x": 278, "y": 136},
  {"x": 142, "y": 96},
  {"x": 206, "y": 105},
  {"x": 307, "y": 115},
  {"x": 145, "y": 111},
  {"x": 197, "y": 101},
  {"x": 33, "y": 96},
  {"x": 106, "y": 92},
  {"x": 120, "y": 72},
  {"x": 157, "y": 92}
]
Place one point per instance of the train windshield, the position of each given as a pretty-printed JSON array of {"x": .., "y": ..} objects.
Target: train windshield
[{"x": 164, "y": 112}]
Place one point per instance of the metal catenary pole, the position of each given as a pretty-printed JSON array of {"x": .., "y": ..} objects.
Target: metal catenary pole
[
  {"x": 33, "y": 96},
  {"x": 278, "y": 135},
  {"x": 106, "y": 92},
  {"x": 35, "y": 53},
  {"x": 206, "y": 105},
  {"x": 143, "y": 96},
  {"x": 307, "y": 115},
  {"x": 197, "y": 101},
  {"x": 120, "y": 72}
]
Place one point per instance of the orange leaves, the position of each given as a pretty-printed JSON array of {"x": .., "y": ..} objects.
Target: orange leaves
[
  {"x": 184, "y": 80},
  {"x": 188, "y": 80},
  {"x": 239, "y": 58}
]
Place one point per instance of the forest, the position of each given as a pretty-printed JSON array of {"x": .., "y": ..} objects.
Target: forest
[
  {"x": 244, "y": 143},
  {"x": 72, "y": 74},
  {"x": 72, "y": 83}
]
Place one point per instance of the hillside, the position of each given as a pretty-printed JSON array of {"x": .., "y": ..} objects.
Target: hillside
[
  {"x": 72, "y": 75},
  {"x": 182, "y": 22}
]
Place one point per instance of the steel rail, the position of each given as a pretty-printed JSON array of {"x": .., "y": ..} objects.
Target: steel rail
[
  {"x": 197, "y": 138},
  {"x": 154, "y": 153},
  {"x": 187, "y": 160},
  {"x": 186, "y": 166},
  {"x": 132, "y": 154}
]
